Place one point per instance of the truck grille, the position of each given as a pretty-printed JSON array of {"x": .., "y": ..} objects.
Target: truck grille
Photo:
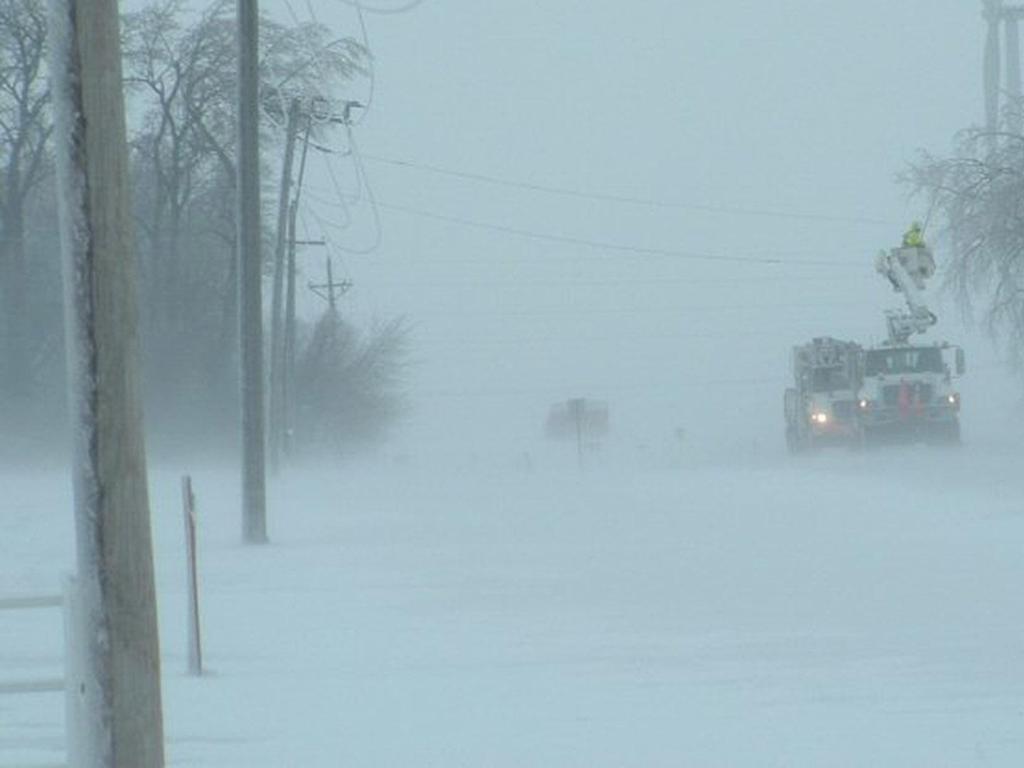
[
  {"x": 920, "y": 394},
  {"x": 843, "y": 410}
]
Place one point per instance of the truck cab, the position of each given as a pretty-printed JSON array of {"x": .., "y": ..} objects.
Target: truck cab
[
  {"x": 821, "y": 407},
  {"x": 909, "y": 391}
]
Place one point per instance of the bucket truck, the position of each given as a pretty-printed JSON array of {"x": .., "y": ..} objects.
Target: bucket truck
[{"x": 907, "y": 389}]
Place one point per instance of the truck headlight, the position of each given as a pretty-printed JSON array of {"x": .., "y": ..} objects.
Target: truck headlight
[
  {"x": 819, "y": 418},
  {"x": 864, "y": 403}
]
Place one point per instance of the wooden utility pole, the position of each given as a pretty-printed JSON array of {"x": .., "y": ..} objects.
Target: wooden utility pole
[
  {"x": 277, "y": 340},
  {"x": 1013, "y": 73},
  {"x": 995, "y": 12},
  {"x": 289, "y": 311},
  {"x": 254, "y": 488},
  {"x": 114, "y": 673},
  {"x": 991, "y": 11}
]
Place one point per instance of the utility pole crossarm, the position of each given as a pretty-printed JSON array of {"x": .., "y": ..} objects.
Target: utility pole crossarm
[
  {"x": 333, "y": 289},
  {"x": 277, "y": 319},
  {"x": 323, "y": 290},
  {"x": 907, "y": 269}
]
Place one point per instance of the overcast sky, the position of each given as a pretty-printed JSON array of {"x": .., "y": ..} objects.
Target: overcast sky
[{"x": 798, "y": 108}]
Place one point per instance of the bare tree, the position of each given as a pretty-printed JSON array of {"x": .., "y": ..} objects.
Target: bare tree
[
  {"x": 25, "y": 128},
  {"x": 977, "y": 200},
  {"x": 350, "y": 383},
  {"x": 180, "y": 67},
  {"x": 184, "y": 180},
  {"x": 185, "y": 72}
]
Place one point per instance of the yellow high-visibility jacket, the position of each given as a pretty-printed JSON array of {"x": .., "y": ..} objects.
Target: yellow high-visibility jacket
[{"x": 913, "y": 238}]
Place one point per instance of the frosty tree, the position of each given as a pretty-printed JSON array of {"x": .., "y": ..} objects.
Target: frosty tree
[
  {"x": 977, "y": 199},
  {"x": 25, "y": 129}
]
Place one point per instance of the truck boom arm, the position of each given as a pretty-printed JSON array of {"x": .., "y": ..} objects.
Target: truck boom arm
[{"x": 907, "y": 269}]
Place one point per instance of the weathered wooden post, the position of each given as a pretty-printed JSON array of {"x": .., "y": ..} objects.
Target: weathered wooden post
[
  {"x": 195, "y": 647},
  {"x": 117, "y": 684}
]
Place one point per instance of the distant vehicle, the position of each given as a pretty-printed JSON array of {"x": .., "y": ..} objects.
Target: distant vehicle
[
  {"x": 821, "y": 406},
  {"x": 584, "y": 422},
  {"x": 578, "y": 419}
]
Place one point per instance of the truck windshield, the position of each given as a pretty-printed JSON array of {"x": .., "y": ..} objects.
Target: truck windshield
[
  {"x": 908, "y": 360},
  {"x": 829, "y": 379}
]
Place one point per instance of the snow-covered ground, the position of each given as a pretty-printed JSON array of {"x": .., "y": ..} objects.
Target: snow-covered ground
[{"x": 838, "y": 610}]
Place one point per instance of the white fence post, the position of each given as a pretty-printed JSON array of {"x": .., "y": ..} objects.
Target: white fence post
[
  {"x": 73, "y": 670},
  {"x": 195, "y": 648}
]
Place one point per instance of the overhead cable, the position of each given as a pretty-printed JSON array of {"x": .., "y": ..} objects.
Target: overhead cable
[
  {"x": 371, "y": 65},
  {"x": 641, "y": 201},
  {"x": 606, "y": 246},
  {"x": 593, "y": 283},
  {"x": 364, "y": 185},
  {"x": 679, "y": 309},
  {"x": 647, "y": 386},
  {"x": 403, "y": 8}
]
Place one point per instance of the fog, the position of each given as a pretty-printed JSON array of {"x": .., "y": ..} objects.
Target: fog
[
  {"x": 802, "y": 112},
  {"x": 645, "y": 205},
  {"x": 648, "y": 206}
]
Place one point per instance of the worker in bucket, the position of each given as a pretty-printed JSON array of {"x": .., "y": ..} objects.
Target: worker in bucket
[{"x": 914, "y": 237}]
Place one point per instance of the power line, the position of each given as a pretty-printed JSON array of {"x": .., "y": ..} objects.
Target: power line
[
  {"x": 332, "y": 246},
  {"x": 372, "y": 85},
  {"x": 609, "y": 283},
  {"x": 363, "y": 184},
  {"x": 371, "y": 64},
  {"x": 606, "y": 246},
  {"x": 393, "y": 10},
  {"x": 376, "y": 204},
  {"x": 678, "y": 309},
  {"x": 607, "y": 197},
  {"x": 639, "y": 251},
  {"x": 681, "y": 383},
  {"x": 538, "y": 343},
  {"x": 344, "y": 200},
  {"x": 326, "y": 226}
]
